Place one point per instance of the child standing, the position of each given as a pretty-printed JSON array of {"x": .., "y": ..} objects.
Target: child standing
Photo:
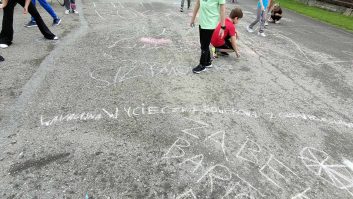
[
  {"x": 70, "y": 6},
  {"x": 182, "y": 5},
  {"x": 210, "y": 12},
  {"x": 268, "y": 10},
  {"x": 261, "y": 16},
  {"x": 228, "y": 42}
]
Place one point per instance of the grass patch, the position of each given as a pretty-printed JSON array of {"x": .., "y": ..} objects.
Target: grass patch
[{"x": 333, "y": 18}]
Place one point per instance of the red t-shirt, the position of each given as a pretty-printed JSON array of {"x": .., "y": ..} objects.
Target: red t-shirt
[{"x": 216, "y": 41}]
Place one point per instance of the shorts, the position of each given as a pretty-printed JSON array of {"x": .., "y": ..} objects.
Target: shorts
[{"x": 227, "y": 45}]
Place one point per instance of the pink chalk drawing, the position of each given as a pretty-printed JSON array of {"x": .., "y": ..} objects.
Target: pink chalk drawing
[{"x": 155, "y": 41}]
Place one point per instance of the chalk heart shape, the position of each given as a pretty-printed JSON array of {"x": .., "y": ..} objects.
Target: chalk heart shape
[{"x": 324, "y": 166}]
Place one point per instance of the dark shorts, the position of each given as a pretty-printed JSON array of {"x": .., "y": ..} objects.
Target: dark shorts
[
  {"x": 227, "y": 45},
  {"x": 276, "y": 18}
]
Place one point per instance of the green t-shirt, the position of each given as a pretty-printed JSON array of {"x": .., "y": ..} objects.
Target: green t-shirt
[{"x": 209, "y": 13}]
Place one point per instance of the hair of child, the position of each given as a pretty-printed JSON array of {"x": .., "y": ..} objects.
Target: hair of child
[{"x": 236, "y": 12}]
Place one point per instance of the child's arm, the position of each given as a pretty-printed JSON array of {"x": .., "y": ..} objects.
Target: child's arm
[
  {"x": 25, "y": 9},
  {"x": 196, "y": 9},
  {"x": 223, "y": 19},
  {"x": 4, "y": 3},
  {"x": 233, "y": 40}
]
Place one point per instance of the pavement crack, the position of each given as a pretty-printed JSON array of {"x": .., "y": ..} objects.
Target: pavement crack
[{"x": 18, "y": 167}]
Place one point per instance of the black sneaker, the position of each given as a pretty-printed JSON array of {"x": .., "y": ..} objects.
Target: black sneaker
[
  {"x": 31, "y": 24},
  {"x": 209, "y": 65},
  {"x": 198, "y": 69},
  {"x": 181, "y": 10},
  {"x": 224, "y": 54}
]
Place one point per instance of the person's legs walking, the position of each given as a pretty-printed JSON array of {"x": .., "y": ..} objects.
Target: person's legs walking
[
  {"x": 262, "y": 24},
  {"x": 262, "y": 21},
  {"x": 182, "y": 6},
  {"x": 6, "y": 34},
  {"x": 32, "y": 19},
  {"x": 67, "y": 6},
  {"x": 182, "y": 3},
  {"x": 258, "y": 16},
  {"x": 41, "y": 25},
  {"x": 48, "y": 8}
]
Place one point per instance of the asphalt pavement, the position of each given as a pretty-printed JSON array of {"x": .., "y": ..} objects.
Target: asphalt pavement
[{"x": 113, "y": 110}]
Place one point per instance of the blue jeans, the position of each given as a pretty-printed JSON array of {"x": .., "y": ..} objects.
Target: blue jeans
[{"x": 47, "y": 7}]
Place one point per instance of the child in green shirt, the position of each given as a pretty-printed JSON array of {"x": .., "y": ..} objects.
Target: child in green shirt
[{"x": 211, "y": 12}]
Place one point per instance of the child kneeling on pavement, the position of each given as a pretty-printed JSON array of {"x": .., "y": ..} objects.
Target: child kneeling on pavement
[
  {"x": 276, "y": 13},
  {"x": 228, "y": 42}
]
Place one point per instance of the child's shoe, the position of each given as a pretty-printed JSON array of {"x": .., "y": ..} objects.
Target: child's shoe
[
  {"x": 198, "y": 69},
  {"x": 4, "y": 45},
  {"x": 249, "y": 29},
  {"x": 56, "y": 22},
  {"x": 262, "y": 34},
  {"x": 31, "y": 24},
  {"x": 209, "y": 64},
  {"x": 67, "y": 12}
]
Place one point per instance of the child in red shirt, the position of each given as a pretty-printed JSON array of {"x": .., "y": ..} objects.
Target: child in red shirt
[{"x": 228, "y": 42}]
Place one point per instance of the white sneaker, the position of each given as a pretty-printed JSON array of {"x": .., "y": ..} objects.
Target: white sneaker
[
  {"x": 67, "y": 12},
  {"x": 75, "y": 11},
  {"x": 56, "y": 38},
  {"x": 249, "y": 29},
  {"x": 277, "y": 22},
  {"x": 266, "y": 23},
  {"x": 262, "y": 34},
  {"x": 4, "y": 45}
]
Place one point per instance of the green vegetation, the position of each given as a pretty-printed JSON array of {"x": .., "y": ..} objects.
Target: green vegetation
[{"x": 336, "y": 19}]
